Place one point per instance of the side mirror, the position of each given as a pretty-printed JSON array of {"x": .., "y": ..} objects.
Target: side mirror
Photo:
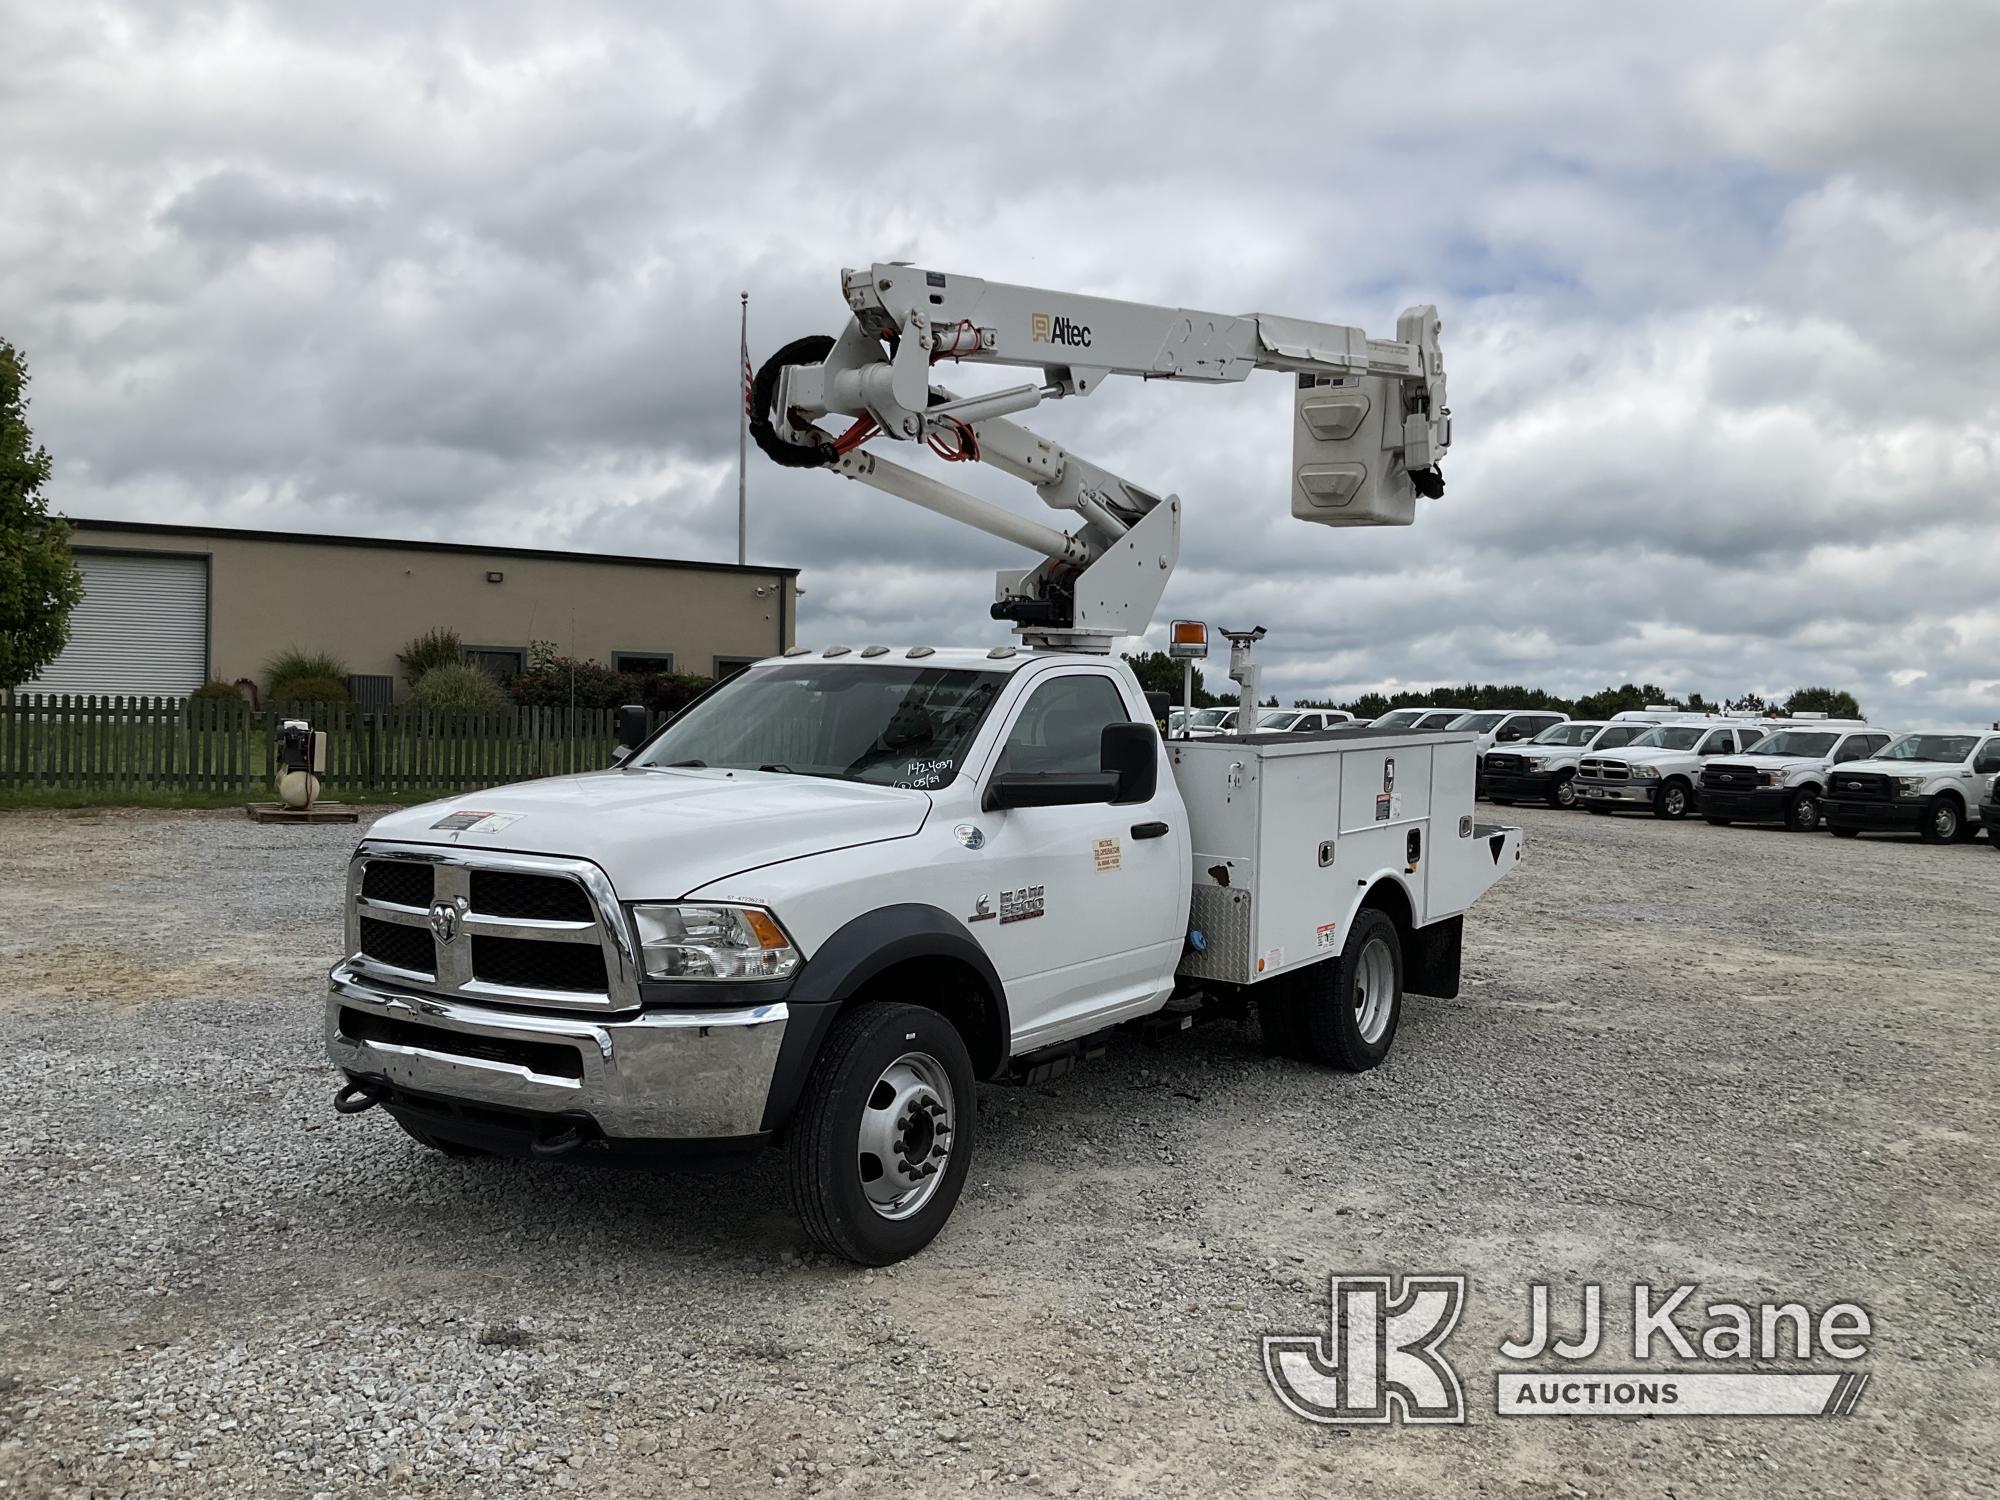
[
  {"x": 1131, "y": 752},
  {"x": 1051, "y": 788},
  {"x": 631, "y": 732}
]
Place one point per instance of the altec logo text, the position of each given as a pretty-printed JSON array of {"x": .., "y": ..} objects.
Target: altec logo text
[
  {"x": 1044, "y": 329},
  {"x": 1385, "y": 1362}
]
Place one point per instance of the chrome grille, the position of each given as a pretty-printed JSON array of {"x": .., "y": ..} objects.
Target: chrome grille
[
  {"x": 1604, "y": 770},
  {"x": 508, "y": 928}
]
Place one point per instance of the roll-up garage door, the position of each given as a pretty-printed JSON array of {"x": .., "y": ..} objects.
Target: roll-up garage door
[{"x": 142, "y": 627}]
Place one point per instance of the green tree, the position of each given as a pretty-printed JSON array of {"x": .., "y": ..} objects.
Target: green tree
[
  {"x": 1615, "y": 700},
  {"x": 1160, "y": 673},
  {"x": 1835, "y": 703},
  {"x": 39, "y": 581}
]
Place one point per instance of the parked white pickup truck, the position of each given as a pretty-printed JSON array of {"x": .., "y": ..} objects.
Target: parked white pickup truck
[
  {"x": 1782, "y": 777},
  {"x": 1544, "y": 768},
  {"x": 1657, "y": 770},
  {"x": 838, "y": 891},
  {"x": 1932, "y": 784}
]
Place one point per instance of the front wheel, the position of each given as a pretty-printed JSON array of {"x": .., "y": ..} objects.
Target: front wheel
[
  {"x": 1671, "y": 801},
  {"x": 1802, "y": 810},
  {"x": 1942, "y": 821},
  {"x": 884, "y": 1133},
  {"x": 1354, "y": 1004},
  {"x": 1563, "y": 793}
]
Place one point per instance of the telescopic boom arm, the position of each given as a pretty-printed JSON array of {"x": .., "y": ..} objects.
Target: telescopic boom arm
[{"x": 1370, "y": 423}]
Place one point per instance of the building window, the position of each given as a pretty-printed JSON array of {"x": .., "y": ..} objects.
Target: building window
[
  {"x": 503, "y": 663},
  {"x": 643, "y": 662},
  {"x": 729, "y": 666}
]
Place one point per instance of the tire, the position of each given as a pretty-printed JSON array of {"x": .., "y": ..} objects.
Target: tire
[
  {"x": 898, "y": 1077},
  {"x": 436, "y": 1143},
  {"x": 1563, "y": 793},
  {"x": 1843, "y": 833},
  {"x": 1993, "y": 838},
  {"x": 1672, "y": 801},
  {"x": 1944, "y": 821},
  {"x": 1717, "y": 822},
  {"x": 1355, "y": 1003},
  {"x": 1802, "y": 811}
]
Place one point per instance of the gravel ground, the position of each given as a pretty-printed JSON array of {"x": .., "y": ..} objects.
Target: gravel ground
[{"x": 1760, "y": 1061}]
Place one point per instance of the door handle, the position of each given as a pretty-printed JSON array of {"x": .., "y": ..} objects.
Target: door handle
[{"x": 1149, "y": 830}]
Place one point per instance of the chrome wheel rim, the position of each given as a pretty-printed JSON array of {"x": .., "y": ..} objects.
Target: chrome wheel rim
[
  {"x": 1807, "y": 814},
  {"x": 1374, "y": 990},
  {"x": 1566, "y": 793},
  {"x": 905, "y": 1141},
  {"x": 1676, "y": 801},
  {"x": 1944, "y": 820}
]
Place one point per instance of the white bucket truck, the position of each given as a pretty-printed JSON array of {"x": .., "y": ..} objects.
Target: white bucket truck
[{"x": 832, "y": 896}]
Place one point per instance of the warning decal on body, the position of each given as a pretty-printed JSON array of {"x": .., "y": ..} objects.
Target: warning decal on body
[
  {"x": 471, "y": 820},
  {"x": 1106, "y": 853},
  {"x": 1323, "y": 934}
]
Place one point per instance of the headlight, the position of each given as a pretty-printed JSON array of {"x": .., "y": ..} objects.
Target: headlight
[
  {"x": 1645, "y": 773},
  {"x": 1909, "y": 786},
  {"x": 708, "y": 940},
  {"x": 1771, "y": 778}
]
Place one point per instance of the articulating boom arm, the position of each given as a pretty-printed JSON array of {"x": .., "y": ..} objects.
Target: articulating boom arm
[{"x": 1370, "y": 423}]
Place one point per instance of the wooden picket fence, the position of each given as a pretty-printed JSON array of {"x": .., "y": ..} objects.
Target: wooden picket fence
[{"x": 105, "y": 743}]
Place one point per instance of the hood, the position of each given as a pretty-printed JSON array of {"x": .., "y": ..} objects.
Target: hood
[
  {"x": 1769, "y": 762},
  {"x": 660, "y": 834},
  {"x": 1652, "y": 755},
  {"x": 1903, "y": 767}
]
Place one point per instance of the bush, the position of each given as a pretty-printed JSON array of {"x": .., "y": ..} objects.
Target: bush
[
  {"x": 458, "y": 687},
  {"x": 433, "y": 649},
  {"x": 308, "y": 690},
  {"x": 668, "y": 692},
  {"x": 560, "y": 681},
  {"x": 215, "y": 687},
  {"x": 292, "y": 665}
]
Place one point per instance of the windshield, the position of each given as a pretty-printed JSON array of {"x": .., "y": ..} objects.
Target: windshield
[
  {"x": 893, "y": 726},
  {"x": 1279, "y": 718},
  {"x": 1793, "y": 742},
  {"x": 1400, "y": 718},
  {"x": 1212, "y": 718},
  {"x": 1931, "y": 747},
  {"x": 1670, "y": 737},
  {"x": 1566, "y": 734}
]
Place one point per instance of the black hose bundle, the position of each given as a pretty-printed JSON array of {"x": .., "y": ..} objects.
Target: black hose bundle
[{"x": 810, "y": 350}]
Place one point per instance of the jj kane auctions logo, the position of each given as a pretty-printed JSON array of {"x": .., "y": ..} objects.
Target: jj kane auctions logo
[{"x": 1384, "y": 1359}]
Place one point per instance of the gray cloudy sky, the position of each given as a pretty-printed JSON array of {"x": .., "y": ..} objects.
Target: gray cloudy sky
[{"x": 1720, "y": 287}]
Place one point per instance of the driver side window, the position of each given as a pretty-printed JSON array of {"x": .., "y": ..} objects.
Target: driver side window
[
  {"x": 1061, "y": 728},
  {"x": 1987, "y": 761}
]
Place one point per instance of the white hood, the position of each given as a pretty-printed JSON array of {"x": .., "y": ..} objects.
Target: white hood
[
  {"x": 662, "y": 833},
  {"x": 1903, "y": 767}
]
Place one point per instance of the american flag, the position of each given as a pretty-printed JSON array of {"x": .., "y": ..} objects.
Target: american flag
[{"x": 749, "y": 376}]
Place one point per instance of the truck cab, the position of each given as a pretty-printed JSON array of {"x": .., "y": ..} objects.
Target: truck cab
[
  {"x": 1544, "y": 768},
  {"x": 1207, "y": 723},
  {"x": 1657, "y": 771},
  {"x": 1301, "y": 720},
  {"x": 1934, "y": 784},
  {"x": 1782, "y": 777},
  {"x": 823, "y": 903}
]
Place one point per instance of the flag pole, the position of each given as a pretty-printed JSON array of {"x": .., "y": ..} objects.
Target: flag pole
[{"x": 743, "y": 444}]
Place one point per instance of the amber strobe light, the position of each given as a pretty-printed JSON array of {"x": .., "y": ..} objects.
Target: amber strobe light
[{"x": 1188, "y": 639}]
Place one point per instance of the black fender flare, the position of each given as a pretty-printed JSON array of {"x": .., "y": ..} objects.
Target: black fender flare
[{"x": 864, "y": 948}]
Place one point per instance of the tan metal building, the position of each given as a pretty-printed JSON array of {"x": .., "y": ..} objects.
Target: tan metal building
[{"x": 166, "y": 608}]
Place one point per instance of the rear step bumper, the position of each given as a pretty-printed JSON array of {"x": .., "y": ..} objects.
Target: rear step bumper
[{"x": 650, "y": 1076}]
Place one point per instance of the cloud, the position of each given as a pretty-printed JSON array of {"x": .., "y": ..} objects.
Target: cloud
[{"x": 1721, "y": 292}]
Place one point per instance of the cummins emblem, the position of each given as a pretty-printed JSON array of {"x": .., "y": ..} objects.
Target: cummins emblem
[
  {"x": 444, "y": 918},
  {"x": 1044, "y": 329}
]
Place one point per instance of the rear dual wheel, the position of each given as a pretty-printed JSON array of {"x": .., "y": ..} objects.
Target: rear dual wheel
[{"x": 1342, "y": 1012}]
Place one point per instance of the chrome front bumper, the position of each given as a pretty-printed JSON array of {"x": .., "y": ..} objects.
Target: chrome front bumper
[
  {"x": 1637, "y": 792},
  {"x": 657, "y": 1075}
]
